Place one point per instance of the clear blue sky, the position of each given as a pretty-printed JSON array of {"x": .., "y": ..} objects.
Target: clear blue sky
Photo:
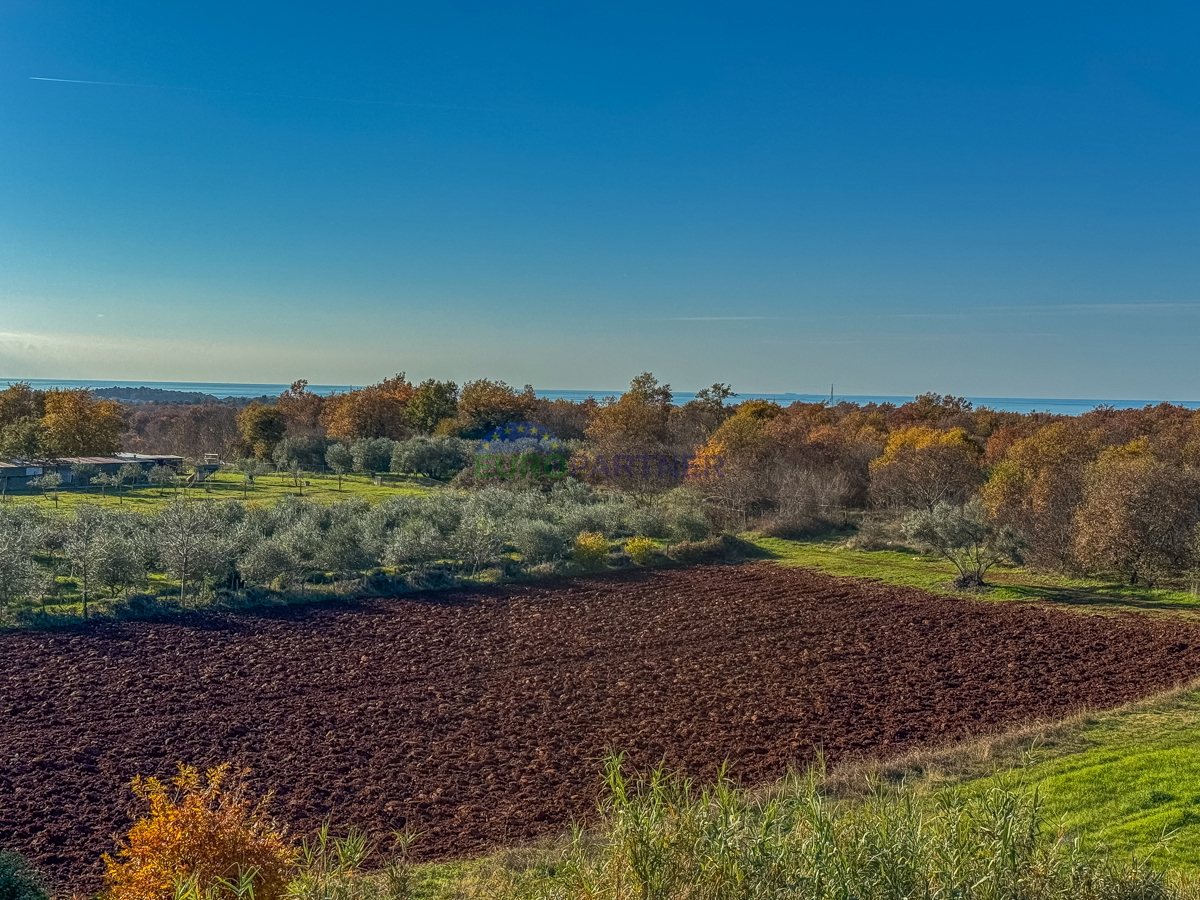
[{"x": 994, "y": 200}]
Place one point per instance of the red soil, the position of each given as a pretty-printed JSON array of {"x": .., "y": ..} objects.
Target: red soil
[{"x": 479, "y": 717}]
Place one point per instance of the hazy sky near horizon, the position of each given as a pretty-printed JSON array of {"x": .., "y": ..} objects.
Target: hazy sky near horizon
[{"x": 999, "y": 201}]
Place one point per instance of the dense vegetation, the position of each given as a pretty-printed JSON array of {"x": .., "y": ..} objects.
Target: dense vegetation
[
  {"x": 1112, "y": 491},
  {"x": 199, "y": 552}
]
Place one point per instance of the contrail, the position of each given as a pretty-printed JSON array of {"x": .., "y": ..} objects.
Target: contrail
[{"x": 163, "y": 87}]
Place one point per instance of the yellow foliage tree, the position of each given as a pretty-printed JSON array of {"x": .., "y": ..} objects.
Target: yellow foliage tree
[
  {"x": 1037, "y": 486},
  {"x": 922, "y": 466},
  {"x": 207, "y": 832},
  {"x": 77, "y": 424}
]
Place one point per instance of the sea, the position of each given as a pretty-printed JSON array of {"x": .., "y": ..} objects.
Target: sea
[{"x": 1063, "y": 406}]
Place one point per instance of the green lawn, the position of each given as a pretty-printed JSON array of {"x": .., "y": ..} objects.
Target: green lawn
[
  {"x": 229, "y": 485},
  {"x": 934, "y": 574},
  {"x": 1127, "y": 779}
]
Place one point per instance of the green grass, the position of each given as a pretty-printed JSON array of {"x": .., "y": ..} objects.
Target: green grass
[
  {"x": 1125, "y": 779},
  {"x": 229, "y": 486},
  {"x": 935, "y": 574}
]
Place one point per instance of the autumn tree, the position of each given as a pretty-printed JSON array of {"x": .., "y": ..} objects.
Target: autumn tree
[
  {"x": 637, "y": 421},
  {"x": 484, "y": 404},
  {"x": 923, "y": 466},
  {"x": 1138, "y": 514},
  {"x": 377, "y": 411},
  {"x": 1038, "y": 485},
  {"x": 262, "y": 427},
  {"x": 77, "y": 424},
  {"x": 20, "y": 401},
  {"x": 302, "y": 410}
]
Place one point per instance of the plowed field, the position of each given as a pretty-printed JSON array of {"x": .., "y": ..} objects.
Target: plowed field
[{"x": 478, "y": 717}]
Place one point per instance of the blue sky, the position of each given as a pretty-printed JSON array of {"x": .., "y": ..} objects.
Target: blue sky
[{"x": 997, "y": 201}]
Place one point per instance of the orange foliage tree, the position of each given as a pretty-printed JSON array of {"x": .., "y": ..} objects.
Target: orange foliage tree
[
  {"x": 377, "y": 411},
  {"x": 207, "y": 831}
]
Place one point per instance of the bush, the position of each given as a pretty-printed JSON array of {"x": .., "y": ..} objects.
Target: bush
[
  {"x": 207, "y": 834},
  {"x": 591, "y": 549},
  {"x": 648, "y": 521},
  {"x": 539, "y": 542},
  {"x": 689, "y": 525},
  {"x": 437, "y": 457},
  {"x": 19, "y": 880},
  {"x": 723, "y": 548},
  {"x": 641, "y": 550}
]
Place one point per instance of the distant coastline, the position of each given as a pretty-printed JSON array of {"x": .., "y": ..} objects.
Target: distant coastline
[{"x": 203, "y": 391}]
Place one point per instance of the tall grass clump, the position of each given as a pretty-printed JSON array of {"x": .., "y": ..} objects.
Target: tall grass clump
[{"x": 662, "y": 837}]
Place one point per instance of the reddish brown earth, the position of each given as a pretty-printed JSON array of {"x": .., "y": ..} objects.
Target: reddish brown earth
[{"x": 478, "y": 717}]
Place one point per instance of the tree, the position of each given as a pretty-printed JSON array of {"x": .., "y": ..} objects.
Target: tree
[
  {"x": 105, "y": 481},
  {"x": 250, "y": 468},
  {"x": 302, "y": 410},
  {"x": 84, "y": 549},
  {"x": 645, "y": 387},
  {"x": 162, "y": 476},
  {"x": 24, "y": 439},
  {"x": 77, "y": 424},
  {"x": 1037, "y": 486},
  {"x": 185, "y": 538},
  {"x": 437, "y": 457},
  {"x": 340, "y": 460},
  {"x": 922, "y": 467},
  {"x": 48, "y": 481},
  {"x": 83, "y": 473},
  {"x": 377, "y": 411},
  {"x": 20, "y": 401},
  {"x": 1137, "y": 514},
  {"x": 432, "y": 402},
  {"x": 484, "y": 404},
  {"x": 129, "y": 473},
  {"x": 478, "y": 541},
  {"x": 121, "y": 566},
  {"x": 416, "y": 544},
  {"x": 262, "y": 427},
  {"x": 371, "y": 455},
  {"x": 18, "y": 572},
  {"x": 966, "y": 536}
]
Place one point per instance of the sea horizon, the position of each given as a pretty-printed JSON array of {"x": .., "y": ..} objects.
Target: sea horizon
[{"x": 224, "y": 390}]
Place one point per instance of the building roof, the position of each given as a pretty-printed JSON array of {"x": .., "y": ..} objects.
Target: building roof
[
  {"x": 146, "y": 457},
  {"x": 90, "y": 460}
]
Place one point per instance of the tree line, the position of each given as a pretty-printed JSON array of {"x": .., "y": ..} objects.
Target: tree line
[{"x": 1109, "y": 491}]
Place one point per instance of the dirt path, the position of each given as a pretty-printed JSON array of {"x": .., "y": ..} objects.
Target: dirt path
[{"x": 478, "y": 717}]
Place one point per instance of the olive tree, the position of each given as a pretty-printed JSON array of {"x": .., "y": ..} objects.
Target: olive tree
[{"x": 966, "y": 536}]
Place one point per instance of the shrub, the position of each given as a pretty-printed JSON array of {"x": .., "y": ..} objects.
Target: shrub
[
  {"x": 689, "y": 525},
  {"x": 641, "y": 550},
  {"x": 591, "y": 549},
  {"x": 647, "y": 521},
  {"x": 207, "y": 833},
  {"x": 437, "y": 457},
  {"x": 539, "y": 542},
  {"x": 19, "y": 880},
  {"x": 722, "y": 548}
]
